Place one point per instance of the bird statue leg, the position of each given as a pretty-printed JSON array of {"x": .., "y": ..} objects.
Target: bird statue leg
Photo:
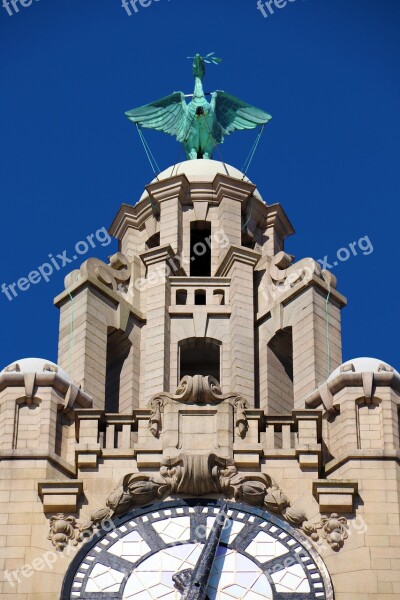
[{"x": 193, "y": 154}]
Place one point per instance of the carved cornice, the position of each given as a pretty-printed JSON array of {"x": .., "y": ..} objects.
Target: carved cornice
[
  {"x": 237, "y": 254},
  {"x": 234, "y": 189},
  {"x": 278, "y": 220},
  {"x": 167, "y": 189},
  {"x": 69, "y": 396},
  {"x": 157, "y": 255},
  {"x": 133, "y": 217},
  {"x": 325, "y": 394}
]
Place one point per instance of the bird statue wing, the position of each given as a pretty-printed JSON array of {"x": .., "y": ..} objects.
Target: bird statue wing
[
  {"x": 232, "y": 114},
  {"x": 167, "y": 114}
]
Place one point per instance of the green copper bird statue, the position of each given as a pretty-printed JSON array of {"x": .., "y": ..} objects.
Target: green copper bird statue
[{"x": 200, "y": 125}]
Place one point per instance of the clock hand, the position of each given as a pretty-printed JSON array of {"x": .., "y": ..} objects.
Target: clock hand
[{"x": 192, "y": 583}]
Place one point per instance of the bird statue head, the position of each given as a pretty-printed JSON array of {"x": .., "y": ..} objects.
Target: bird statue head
[{"x": 199, "y": 69}]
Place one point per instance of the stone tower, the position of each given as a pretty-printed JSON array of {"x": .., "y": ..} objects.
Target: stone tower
[{"x": 202, "y": 364}]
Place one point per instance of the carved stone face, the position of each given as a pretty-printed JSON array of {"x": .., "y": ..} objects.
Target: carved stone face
[{"x": 259, "y": 556}]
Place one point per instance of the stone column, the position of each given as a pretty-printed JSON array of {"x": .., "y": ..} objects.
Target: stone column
[
  {"x": 169, "y": 194},
  {"x": 231, "y": 194},
  {"x": 238, "y": 264},
  {"x": 310, "y": 340},
  {"x": 156, "y": 354},
  {"x": 82, "y": 350}
]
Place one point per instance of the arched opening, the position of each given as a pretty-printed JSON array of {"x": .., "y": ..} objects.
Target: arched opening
[
  {"x": 181, "y": 297},
  {"x": 248, "y": 241},
  {"x": 219, "y": 297},
  {"x": 200, "y": 249},
  {"x": 153, "y": 241},
  {"x": 200, "y": 297},
  {"x": 280, "y": 372},
  {"x": 200, "y": 356},
  {"x": 118, "y": 349}
]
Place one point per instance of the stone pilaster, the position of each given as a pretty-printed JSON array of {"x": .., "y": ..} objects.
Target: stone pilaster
[
  {"x": 169, "y": 195},
  {"x": 238, "y": 264},
  {"x": 156, "y": 354}
]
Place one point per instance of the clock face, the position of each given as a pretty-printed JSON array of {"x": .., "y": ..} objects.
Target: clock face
[{"x": 259, "y": 557}]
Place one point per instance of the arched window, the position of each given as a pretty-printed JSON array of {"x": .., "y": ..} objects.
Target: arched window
[
  {"x": 153, "y": 241},
  {"x": 181, "y": 297},
  {"x": 219, "y": 297},
  {"x": 118, "y": 349},
  {"x": 200, "y": 356},
  {"x": 280, "y": 372},
  {"x": 200, "y": 249}
]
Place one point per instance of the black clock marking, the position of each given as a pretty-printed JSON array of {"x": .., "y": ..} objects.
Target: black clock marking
[{"x": 295, "y": 552}]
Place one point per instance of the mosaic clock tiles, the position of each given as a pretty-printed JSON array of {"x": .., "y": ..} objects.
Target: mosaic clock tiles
[{"x": 259, "y": 557}]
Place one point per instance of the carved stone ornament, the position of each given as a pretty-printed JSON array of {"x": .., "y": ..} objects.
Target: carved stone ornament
[
  {"x": 201, "y": 391},
  {"x": 198, "y": 475},
  {"x": 62, "y": 530},
  {"x": 332, "y": 529},
  {"x": 116, "y": 275},
  {"x": 284, "y": 274}
]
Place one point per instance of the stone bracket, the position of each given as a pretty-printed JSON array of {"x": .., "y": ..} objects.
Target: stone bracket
[
  {"x": 309, "y": 457},
  {"x": 247, "y": 456},
  {"x": 60, "y": 496},
  {"x": 335, "y": 495}
]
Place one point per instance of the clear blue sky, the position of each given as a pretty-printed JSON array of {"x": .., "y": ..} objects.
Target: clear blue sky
[{"x": 327, "y": 71}]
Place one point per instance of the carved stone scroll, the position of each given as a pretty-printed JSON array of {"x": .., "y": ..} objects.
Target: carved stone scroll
[
  {"x": 116, "y": 275},
  {"x": 201, "y": 391},
  {"x": 285, "y": 274}
]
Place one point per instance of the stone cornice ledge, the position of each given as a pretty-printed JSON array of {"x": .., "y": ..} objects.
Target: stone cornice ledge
[
  {"x": 157, "y": 255},
  {"x": 87, "y": 281},
  {"x": 237, "y": 254},
  {"x": 167, "y": 189},
  {"x": 38, "y": 455},
  {"x": 277, "y": 218},
  {"x": 228, "y": 187},
  {"x": 133, "y": 217},
  {"x": 340, "y": 460},
  {"x": 324, "y": 394},
  {"x": 73, "y": 396}
]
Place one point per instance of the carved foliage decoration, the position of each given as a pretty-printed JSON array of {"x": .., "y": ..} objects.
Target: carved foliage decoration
[
  {"x": 332, "y": 529},
  {"x": 196, "y": 476},
  {"x": 62, "y": 530},
  {"x": 201, "y": 391}
]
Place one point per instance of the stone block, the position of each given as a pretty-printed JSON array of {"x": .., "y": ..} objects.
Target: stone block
[{"x": 335, "y": 495}]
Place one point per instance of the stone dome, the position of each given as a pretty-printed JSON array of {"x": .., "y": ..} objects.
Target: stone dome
[
  {"x": 36, "y": 365},
  {"x": 364, "y": 364},
  {"x": 202, "y": 170}
]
